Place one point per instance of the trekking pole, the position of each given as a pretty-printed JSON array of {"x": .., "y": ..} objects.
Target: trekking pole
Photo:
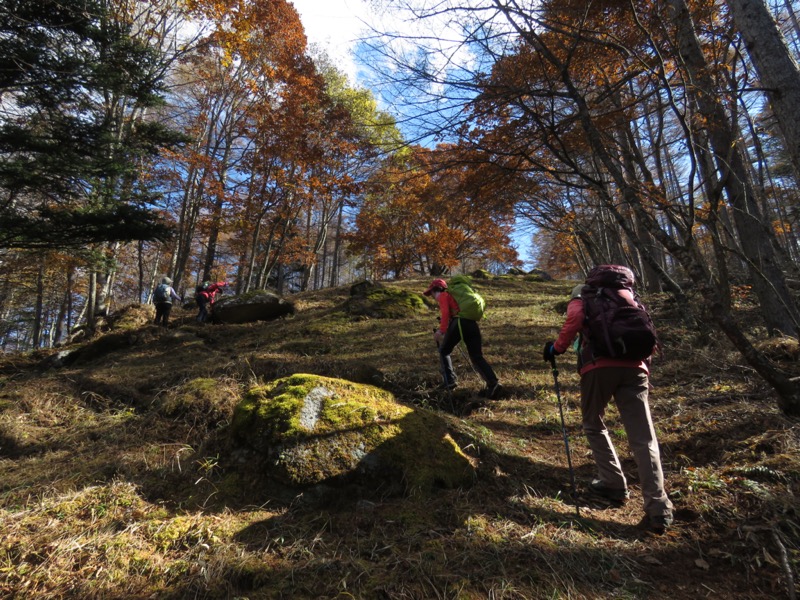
[
  {"x": 467, "y": 359},
  {"x": 566, "y": 438},
  {"x": 461, "y": 343}
]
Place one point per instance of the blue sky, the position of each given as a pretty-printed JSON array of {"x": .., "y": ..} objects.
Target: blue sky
[{"x": 336, "y": 26}]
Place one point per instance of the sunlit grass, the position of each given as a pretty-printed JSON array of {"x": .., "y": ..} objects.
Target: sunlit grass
[{"x": 116, "y": 479}]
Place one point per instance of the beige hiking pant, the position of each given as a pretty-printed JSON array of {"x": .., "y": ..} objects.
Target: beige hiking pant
[{"x": 628, "y": 386}]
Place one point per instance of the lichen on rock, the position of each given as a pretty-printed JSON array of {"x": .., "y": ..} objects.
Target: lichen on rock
[{"x": 305, "y": 430}]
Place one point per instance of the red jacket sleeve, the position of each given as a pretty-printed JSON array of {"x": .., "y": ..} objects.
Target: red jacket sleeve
[
  {"x": 572, "y": 326},
  {"x": 216, "y": 286},
  {"x": 448, "y": 308}
]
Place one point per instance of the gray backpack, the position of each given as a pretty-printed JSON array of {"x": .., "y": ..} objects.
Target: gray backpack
[{"x": 161, "y": 293}]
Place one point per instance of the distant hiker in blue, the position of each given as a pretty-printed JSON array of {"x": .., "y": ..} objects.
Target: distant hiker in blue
[{"x": 163, "y": 296}]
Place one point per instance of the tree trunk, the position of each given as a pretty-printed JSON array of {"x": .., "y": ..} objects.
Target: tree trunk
[
  {"x": 778, "y": 307},
  {"x": 337, "y": 248},
  {"x": 105, "y": 282},
  {"x": 91, "y": 317},
  {"x": 152, "y": 280},
  {"x": 190, "y": 211},
  {"x": 140, "y": 265},
  {"x": 795, "y": 23},
  {"x": 776, "y": 68},
  {"x": 213, "y": 237},
  {"x": 36, "y": 336},
  {"x": 251, "y": 263},
  {"x": 70, "y": 287},
  {"x": 64, "y": 309}
]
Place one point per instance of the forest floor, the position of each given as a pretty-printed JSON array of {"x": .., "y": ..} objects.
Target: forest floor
[{"x": 113, "y": 485}]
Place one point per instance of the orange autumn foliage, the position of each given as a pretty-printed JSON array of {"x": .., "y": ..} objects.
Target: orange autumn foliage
[{"x": 427, "y": 214}]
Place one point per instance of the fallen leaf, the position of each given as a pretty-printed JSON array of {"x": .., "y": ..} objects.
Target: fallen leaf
[
  {"x": 651, "y": 560},
  {"x": 700, "y": 563}
]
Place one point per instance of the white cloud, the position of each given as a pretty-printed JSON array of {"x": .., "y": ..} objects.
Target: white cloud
[{"x": 336, "y": 26}]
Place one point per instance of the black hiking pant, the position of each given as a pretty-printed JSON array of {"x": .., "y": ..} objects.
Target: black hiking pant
[
  {"x": 162, "y": 313},
  {"x": 202, "y": 306},
  {"x": 468, "y": 331}
]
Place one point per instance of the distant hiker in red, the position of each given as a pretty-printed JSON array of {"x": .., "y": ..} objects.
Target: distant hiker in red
[
  {"x": 453, "y": 328},
  {"x": 619, "y": 371},
  {"x": 163, "y": 296},
  {"x": 205, "y": 298}
]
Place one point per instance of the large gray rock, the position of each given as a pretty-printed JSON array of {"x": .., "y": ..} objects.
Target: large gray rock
[
  {"x": 258, "y": 305},
  {"x": 539, "y": 275},
  {"x": 306, "y": 430}
]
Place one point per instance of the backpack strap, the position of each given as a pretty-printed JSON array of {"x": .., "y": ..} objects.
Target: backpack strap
[{"x": 604, "y": 297}]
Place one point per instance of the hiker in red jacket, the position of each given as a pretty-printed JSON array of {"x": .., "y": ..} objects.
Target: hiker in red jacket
[
  {"x": 453, "y": 329},
  {"x": 205, "y": 298}
]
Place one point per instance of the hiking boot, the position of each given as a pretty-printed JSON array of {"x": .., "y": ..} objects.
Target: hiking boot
[
  {"x": 447, "y": 387},
  {"x": 617, "y": 495},
  {"x": 656, "y": 523},
  {"x": 491, "y": 391}
]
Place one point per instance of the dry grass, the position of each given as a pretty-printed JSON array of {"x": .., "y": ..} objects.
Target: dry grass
[{"x": 116, "y": 481}]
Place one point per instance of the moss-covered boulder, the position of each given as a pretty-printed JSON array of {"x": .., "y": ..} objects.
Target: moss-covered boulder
[
  {"x": 304, "y": 430},
  {"x": 127, "y": 318},
  {"x": 480, "y": 274},
  {"x": 204, "y": 402},
  {"x": 258, "y": 305},
  {"x": 538, "y": 275},
  {"x": 132, "y": 316},
  {"x": 378, "y": 301}
]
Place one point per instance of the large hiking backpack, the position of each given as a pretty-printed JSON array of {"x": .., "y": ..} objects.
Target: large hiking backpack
[
  {"x": 471, "y": 304},
  {"x": 161, "y": 293},
  {"x": 616, "y": 326}
]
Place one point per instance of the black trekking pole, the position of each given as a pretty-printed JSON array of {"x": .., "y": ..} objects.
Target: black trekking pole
[
  {"x": 566, "y": 438},
  {"x": 467, "y": 359}
]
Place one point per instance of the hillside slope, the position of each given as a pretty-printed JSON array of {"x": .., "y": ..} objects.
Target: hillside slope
[{"x": 116, "y": 482}]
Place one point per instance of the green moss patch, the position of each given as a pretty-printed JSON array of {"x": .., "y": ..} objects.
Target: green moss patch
[
  {"x": 306, "y": 429},
  {"x": 381, "y": 302}
]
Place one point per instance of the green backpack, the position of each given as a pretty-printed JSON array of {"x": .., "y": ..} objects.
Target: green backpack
[{"x": 471, "y": 304}]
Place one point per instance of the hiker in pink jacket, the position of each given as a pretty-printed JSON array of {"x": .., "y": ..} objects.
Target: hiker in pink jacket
[
  {"x": 627, "y": 382},
  {"x": 205, "y": 298}
]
